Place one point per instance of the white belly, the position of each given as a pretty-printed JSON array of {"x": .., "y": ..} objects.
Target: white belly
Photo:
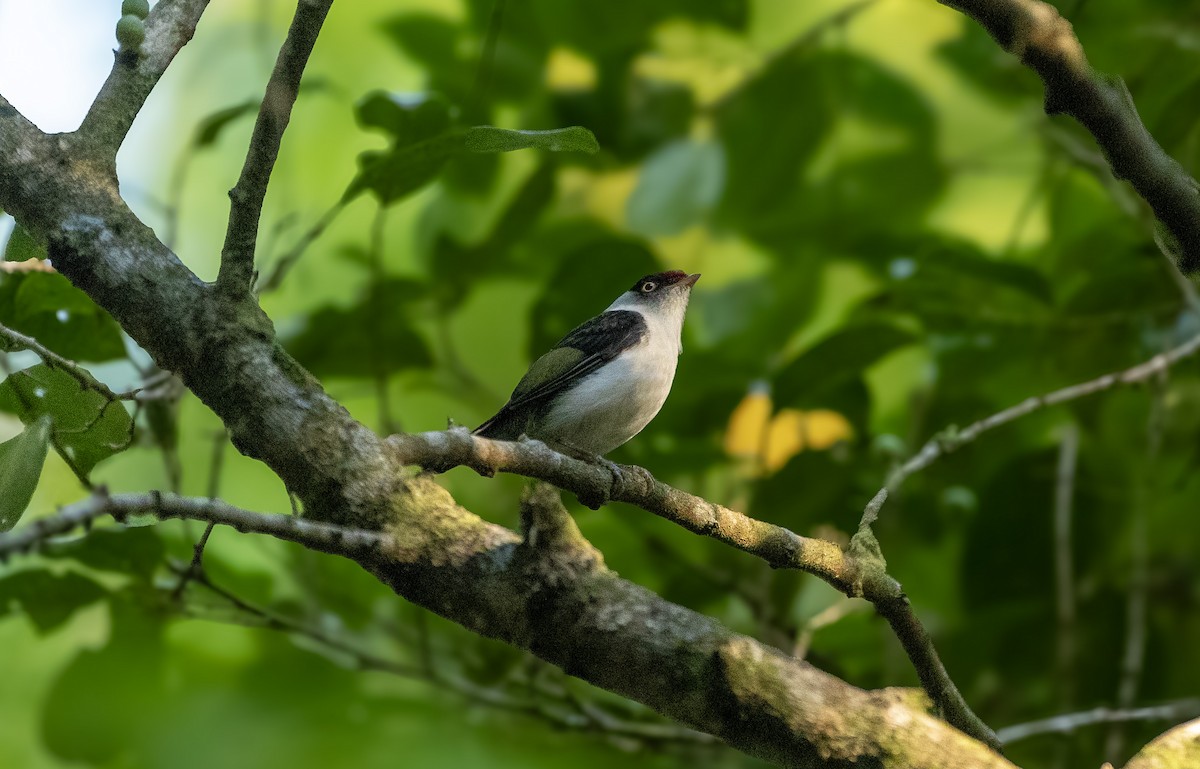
[{"x": 612, "y": 405}]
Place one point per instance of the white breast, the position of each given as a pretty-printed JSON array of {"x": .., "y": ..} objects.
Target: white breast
[{"x": 610, "y": 406}]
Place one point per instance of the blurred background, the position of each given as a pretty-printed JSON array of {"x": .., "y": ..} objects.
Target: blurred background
[{"x": 894, "y": 239}]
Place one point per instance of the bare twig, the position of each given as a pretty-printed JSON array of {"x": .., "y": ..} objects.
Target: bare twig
[
  {"x": 1045, "y": 42},
  {"x": 477, "y": 101},
  {"x": 55, "y": 361},
  {"x": 274, "y": 279},
  {"x": 324, "y": 537},
  {"x": 595, "y": 719},
  {"x": 196, "y": 567},
  {"x": 829, "y": 616},
  {"x": 1134, "y": 658},
  {"x": 383, "y": 397},
  {"x": 169, "y": 27},
  {"x": 237, "y": 255},
  {"x": 1070, "y": 722},
  {"x": 953, "y": 438},
  {"x": 32, "y": 264},
  {"x": 1064, "y": 569}
]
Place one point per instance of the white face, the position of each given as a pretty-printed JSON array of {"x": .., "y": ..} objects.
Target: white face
[
  {"x": 662, "y": 296},
  {"x": 663, "y": 307},
  {"x": 666, "y": 302}
]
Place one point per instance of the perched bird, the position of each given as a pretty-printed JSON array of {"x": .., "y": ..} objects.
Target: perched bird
[{"x": 604, "y": 381}]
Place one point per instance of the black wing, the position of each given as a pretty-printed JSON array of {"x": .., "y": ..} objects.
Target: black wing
[{"x": 590, "y": 345}]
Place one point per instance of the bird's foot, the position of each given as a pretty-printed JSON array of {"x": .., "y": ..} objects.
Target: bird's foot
[{"x": 592, "y": 458}]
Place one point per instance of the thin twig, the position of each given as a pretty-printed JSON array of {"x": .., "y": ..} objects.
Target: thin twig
[
  {"x": 325, "y": 537},
  {"x": 383, "y": 397},
  {"x": 596, "y": 720},
  {"x": 1064, "y": 569},
  {"x": 32, "y": 264},
  {"x": 1070, "y": 722},
  {"x": 196, "y": 567},
  {"x": 829, "y": 616},
  {"x": 483, "y": 72},
  {"x": 169, "y": 27},
  {"x": 1134, "y": 658},
  {"x": 952, "y": 438},
  {"x": 72, "y": 369},
  {"x": 237, "y": 255},
  {"x": 274, "y": 278}
]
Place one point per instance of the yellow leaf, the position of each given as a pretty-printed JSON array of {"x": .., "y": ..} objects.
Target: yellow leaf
[
  {"x": 748, "y": 423},
  {"x": 785, "y": 439},
  {"x": 824, "y": 428},
  {"x": 566, "y": 70}
]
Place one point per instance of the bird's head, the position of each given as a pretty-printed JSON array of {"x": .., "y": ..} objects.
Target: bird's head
[{"x": 662, "y": 293}]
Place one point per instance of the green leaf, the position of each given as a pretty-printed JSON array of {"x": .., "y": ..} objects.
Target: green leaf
[
  {"x": 21, "y": 246},
  {"x": 587, "y": 279},
  {"x": 397, "y": 173},
  {"x": 679, "y": 184},
  {"x": 409, "y": 165},
  {"x": 210, "y": 128},
  {"x": 48, "y": 308},
  {"x": 844, "y": 354},
  {"x": 456, "y": 268},
  {"x": 408, "y": 117},
  {"x": 100, "y": 703},
  {"x": 492, "y": 139},
  {"x": 422, "y": 142},
  {"x": 87, "y": 426},
  {"x": 21, "y": 460},
  {"x": 48, "y": 599},
  {"x": 136, "y": 550},
  {"x": 372, "y": 337}
]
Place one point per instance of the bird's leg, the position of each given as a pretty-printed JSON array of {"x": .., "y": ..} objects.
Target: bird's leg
[{"x": 592, "y": 458}]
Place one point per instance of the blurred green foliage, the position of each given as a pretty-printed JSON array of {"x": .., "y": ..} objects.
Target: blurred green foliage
[{"x": 888, "y": 228}]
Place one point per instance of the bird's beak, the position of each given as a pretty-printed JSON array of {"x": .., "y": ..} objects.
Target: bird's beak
[{"x": 690, "y": 280}]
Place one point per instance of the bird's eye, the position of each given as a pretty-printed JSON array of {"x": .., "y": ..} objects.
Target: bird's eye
[{"x": 649, "y": 286}]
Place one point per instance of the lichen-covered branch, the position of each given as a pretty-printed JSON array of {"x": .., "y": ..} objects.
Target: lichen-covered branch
[
  {"x": 556, "y": 598},
  {"x": 1177, "y": 748},
  {"x": 237, "y": 256},
  {"x": 1034, "y": 32}
]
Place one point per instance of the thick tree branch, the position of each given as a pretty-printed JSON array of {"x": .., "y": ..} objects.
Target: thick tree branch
[
  {"x": 557, "y": 599},
  {"x": 1045, "y": 42},
  {"x": 1178, "y": 748},
  {"x": 169, "y": 27},
  {"x": 246, "y": 198},
  {"x": 953, "y": 438}
]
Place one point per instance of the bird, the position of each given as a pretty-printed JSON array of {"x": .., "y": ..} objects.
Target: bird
[{"x": 605, "y": 380}]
